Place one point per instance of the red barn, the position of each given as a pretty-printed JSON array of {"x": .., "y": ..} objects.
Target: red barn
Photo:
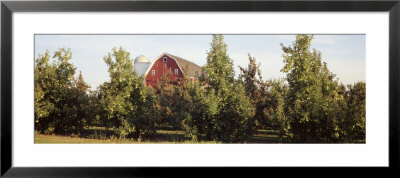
[{"x": 172, "y": 65}]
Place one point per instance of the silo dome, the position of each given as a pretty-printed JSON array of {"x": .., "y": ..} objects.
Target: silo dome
[{"x": 141, "y": 59}]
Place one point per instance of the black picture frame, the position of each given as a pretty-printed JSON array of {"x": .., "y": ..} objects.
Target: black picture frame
[{"x": 8, "y": 7}]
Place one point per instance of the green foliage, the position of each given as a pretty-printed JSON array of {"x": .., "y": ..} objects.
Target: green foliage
[
  {"x": 249, "y": 77},
  {"x": 144, "y": 116},
  {"x": 77, "y": 109},
  {"x": 315, "y": 105},
  {"x": 186, "y": 105},
  {"x": 256, "y": 89},
  {"x": 214, "y": 108},
  {"x": 218, "y": 72},
  {"x": 168, "y": 104},
  {"x": 201, "y": 108},
  {"x": 234, "y": 120},
  {"x": 44, "y": 102},
  {"x": 353, "y": 124},
  {"x": 275, "y": 116},
  {"x": 114, "y": 95},
  {"x": 61, "y": 102},
  {"x": 304, "y": 97},
  {"x": 304, "y": 94},
  {"x": 126, "y": 103},
  {"x": 309, "y": 106}
]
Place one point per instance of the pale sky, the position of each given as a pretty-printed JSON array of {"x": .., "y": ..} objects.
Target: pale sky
[{"x": 345, "y": 54}]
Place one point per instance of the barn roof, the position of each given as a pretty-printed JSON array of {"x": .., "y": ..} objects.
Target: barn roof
[{"x": 191, "y": 69}]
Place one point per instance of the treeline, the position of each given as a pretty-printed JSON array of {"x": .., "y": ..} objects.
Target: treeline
[{"x": 309, "y": 105}]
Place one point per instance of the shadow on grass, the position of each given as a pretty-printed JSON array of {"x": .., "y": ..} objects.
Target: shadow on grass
[
  {"x": 101, "y": 133},
  {"x": 166, "y": 134},
  {"x": 169, "y": 135},
  {"x": 265, "y": 136}
]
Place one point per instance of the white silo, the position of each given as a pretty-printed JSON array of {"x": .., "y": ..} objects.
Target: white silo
[{"x": 141, "y": 64}]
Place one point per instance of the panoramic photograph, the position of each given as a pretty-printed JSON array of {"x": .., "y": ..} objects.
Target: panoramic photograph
[{"x": 199, "y": 89}]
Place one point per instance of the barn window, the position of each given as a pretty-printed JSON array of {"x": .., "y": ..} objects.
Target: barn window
[
  {"x": 153, "y": 72},
  {"x": 176, "y": 72},
  {"x": 164, "y": 59}
]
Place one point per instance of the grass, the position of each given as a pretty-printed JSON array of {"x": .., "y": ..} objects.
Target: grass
[
  {"x": 54, "y": 139},
  {"x": 265, "y": 136},
  {"x": 101, "y": 135}
]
